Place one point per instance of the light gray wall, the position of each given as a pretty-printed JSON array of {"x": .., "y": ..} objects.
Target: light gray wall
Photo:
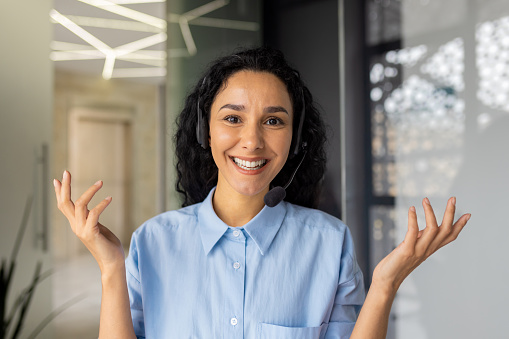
[
  {"x": 461, "y": 291},
  {"x": 26, "y": 90}
]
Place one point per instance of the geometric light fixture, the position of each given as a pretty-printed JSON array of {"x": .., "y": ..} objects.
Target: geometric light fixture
[{"x": 151, "y": 63}]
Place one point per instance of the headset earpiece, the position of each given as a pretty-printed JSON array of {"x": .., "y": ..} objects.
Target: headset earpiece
[
  {"x": 202, "y": 133},
  {"x": 297, "y": 143}
]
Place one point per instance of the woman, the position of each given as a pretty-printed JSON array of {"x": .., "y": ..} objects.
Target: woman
[{"x": 227, "y": 265}]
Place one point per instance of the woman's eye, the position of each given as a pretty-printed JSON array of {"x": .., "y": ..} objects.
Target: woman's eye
[
  {"x": 232, "y": 119},
  {"x": 274, "y": 121}
]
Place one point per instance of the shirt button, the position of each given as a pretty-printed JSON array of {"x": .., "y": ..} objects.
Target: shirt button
[
  {"x": 233, "y": 321},
  {"x": 236, "y": 233},
  {"x": 236, "y": 265}
]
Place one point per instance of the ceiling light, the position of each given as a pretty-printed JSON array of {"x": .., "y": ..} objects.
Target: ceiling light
[
  {"x": 108, "y": 66},
  {"x": 83, "y": 34},
  {"x": 91, "y": 54},
  {"x": 127, "y": 2},
  {"x": 127, "y": 12},
  {"x": 188, "y": 37},
  {"x": 207, "y": 8},
  {"x": 140, "y": 44},
  {"x": 126, "y": 25}
]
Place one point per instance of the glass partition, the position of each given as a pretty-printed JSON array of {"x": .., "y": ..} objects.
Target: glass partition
[
  {"x": 109, "y": 61},
  {"x": 439, "y": 116}
]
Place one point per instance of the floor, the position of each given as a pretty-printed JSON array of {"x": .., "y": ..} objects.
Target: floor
[{"x": 77, "y": 284}]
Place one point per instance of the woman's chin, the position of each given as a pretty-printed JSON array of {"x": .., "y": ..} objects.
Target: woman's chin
[
  {"x": 249, "y": 190},
  {"x": 252, "y": 191}
]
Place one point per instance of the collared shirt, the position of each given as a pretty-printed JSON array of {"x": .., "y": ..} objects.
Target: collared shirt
[{"x": 288, "y": 273}]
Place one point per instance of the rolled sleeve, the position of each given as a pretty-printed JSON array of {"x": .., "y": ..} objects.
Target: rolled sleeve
[
  {"x": 134, "y": 289},
  {"x": 350, "y": 294}
]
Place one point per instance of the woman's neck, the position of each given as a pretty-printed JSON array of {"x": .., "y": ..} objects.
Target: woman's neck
[{"x": 236, "y": 209}]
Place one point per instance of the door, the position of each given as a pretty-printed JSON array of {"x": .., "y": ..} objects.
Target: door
[{"x": 99, "y": 149}]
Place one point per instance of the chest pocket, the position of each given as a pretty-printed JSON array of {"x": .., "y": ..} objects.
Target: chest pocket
[{"x": 269, "y": 331}]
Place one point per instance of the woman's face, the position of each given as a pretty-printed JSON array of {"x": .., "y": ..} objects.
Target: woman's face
[{"x": 250, "y": 131}]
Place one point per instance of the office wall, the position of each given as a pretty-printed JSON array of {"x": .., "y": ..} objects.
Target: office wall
[{"x": 26, "y": 87}]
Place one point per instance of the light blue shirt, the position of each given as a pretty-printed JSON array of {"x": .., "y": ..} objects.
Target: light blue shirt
[{"x": 290, "y": 273}]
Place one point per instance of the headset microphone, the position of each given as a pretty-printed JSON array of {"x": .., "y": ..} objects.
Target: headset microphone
[{"x": 278, "y": 193}]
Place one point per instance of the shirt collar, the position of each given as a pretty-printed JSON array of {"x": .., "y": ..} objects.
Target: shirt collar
[{"x": 262, "y": 228}]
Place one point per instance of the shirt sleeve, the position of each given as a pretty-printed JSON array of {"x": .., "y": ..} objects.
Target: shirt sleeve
[
  {"x": 350, "y": 294},
  {"x": 134, "y": 289}
]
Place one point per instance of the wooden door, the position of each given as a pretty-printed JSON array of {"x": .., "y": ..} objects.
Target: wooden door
[{"x": 99, "y": 149}]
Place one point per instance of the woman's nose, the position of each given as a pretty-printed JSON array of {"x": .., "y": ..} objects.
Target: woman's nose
[{"x": 252, "y": 137}]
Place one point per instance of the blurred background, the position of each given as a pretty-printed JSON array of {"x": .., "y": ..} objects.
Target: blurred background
[{"x": 415, "y": 92}]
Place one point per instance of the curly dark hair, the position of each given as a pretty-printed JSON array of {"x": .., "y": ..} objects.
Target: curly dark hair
[{"x": 196, "y": 169}]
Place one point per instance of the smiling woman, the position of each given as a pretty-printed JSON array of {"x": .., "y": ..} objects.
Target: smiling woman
[
  {"x": 286, "y": 100},
  {"x": 226, "y": 265}
]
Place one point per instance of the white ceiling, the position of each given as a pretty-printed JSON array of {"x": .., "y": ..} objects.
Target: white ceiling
[
  {"x": 102, "y": 32},
  {"x": 127, "y": 38}
]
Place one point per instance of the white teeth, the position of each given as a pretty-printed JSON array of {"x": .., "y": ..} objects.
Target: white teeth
[{"x": 249, "y": 165}]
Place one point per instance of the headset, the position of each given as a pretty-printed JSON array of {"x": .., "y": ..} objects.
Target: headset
[{"x": 202, "y": 132}]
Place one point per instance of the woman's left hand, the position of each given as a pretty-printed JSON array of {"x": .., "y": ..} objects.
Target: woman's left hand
[{"x": 418, "y": 245}]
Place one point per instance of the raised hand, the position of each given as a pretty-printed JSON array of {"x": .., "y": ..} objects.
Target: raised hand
[
  {"x": 418, "y": 245},
  {"x": 394, "y": 268},
  {"x": 100, "y": 241}
]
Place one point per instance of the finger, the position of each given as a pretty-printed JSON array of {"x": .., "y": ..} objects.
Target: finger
[
  {"x": 445, "y": 229},
  {"x": 60, "y": 204},
  {"x": 429, "y": 214},
  {"x": 431, "y": 229},
  {"x": 456, "y": 229},
  {"x": 65, "y": 195},
  {"x": 70, "y": 217},
  {"x": 65, "y": 192},
  {"x": 413, "y": 228},
  {"x": 58, "y": 185},
  {"x": 93, "y": 215},
  {"x": 81, "y": 205},
  {"x": 448, "y": 219}
]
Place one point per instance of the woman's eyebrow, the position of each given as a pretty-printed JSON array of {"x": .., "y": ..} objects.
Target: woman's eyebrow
[
  {"x": 233, "y": 107},
  {"x": 275, "y": 109},
  {"x": 270, "y": 109}
]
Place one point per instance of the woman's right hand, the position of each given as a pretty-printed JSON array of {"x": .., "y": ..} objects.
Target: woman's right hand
[{"x": 99, "y": 240}]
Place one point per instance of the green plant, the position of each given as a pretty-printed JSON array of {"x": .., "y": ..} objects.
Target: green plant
[
  {"x": 20, "y": 307},
  {"x": 13, "y": 320}
]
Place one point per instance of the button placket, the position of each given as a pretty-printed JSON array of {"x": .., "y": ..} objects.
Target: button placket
[{"x": 234, "y": 291}]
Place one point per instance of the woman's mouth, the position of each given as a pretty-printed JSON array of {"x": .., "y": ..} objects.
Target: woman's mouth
[{"x": 249, "y": 165}]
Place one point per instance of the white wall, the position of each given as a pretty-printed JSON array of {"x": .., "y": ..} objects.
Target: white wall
[{"x": 26, "y": 88}]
